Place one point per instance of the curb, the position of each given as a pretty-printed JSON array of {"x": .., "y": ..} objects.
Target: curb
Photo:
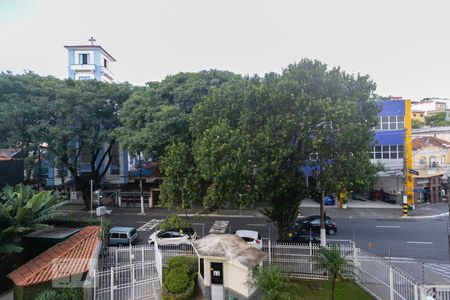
[
  {"x": 425, "y": 217},
  {"x": 221, "y": 216}
]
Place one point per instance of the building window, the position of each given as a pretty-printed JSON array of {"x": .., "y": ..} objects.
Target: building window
[
  {"x": 83, "y": 59},
  {"x": 385, "y": 123},
  {"x": 390, "y": 123},
  {"x": 115, "y": 160},
  {"x": 432, "y": 160},
  {"x": 105, "y": 63},
  {"x": 387, "y": 152},
  {"x": 393, "y": 150},
  {"x": 442, "y": 160},
  {"x": 422, "y": 161},
  {"x": 84, "y": 77},
  {"x": 377, "y": 152}
]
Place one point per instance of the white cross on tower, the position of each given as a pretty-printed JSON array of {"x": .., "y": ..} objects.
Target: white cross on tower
[{"x": 92, "y": 40}]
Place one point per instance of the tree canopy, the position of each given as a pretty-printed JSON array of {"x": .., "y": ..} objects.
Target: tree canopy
[
  {"x": 157, "y": 115},
  {"x": 251, "y": 137},
  {"x": 61, "y": 120}
]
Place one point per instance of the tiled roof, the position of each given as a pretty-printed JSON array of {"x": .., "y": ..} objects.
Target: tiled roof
[
  {"x": 425, "y": 141},
  {"x": 73, "y": 254}
]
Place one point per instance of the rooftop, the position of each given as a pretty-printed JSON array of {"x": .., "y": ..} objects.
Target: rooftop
[
  {"x": 75, "y": 253},
  {"x": 84, "y": 47},
  {"x": 230, "y": 247},
  {"x": 427, "y": 141}
]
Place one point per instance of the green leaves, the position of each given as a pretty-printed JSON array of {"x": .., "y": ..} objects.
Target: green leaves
[{"x": 23, "y": 210}]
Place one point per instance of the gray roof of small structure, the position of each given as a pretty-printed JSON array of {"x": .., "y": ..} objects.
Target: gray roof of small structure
[{"x": 230, "y": 247}]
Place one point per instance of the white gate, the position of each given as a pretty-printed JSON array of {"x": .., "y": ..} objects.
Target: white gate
[{"x": 139, "y": 281}]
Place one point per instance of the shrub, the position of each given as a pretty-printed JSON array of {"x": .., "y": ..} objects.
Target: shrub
[
  {"x": 47, "y": 295},
  {"x": 176, "y": 281},
  {"x": 187, "y": 263},
  {"x": 179, "y": 278},
  {"x": 186, "y": 295}
]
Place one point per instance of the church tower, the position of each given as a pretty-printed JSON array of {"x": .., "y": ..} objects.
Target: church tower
[{"x": 90, "y": 62}]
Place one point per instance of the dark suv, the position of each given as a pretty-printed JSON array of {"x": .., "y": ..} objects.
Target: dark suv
[{"x": 313, "y": 223}]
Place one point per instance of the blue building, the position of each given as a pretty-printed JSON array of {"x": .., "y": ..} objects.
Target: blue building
[
  {"x": 392, "y": 147},
  {"x": 90, "y": 62}
]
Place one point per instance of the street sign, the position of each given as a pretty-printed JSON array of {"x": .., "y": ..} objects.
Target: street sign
[
  {"x": 101, "y": 211},
  {"x": 414, "y": 172}
]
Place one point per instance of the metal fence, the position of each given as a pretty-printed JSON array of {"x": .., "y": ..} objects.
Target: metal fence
[
  {"x": 134, "y": 281},
  {"x": 119, "y": 256},
  {"x": 296, "y": 259},
  {"x": 374, "y": 274},
  {"x": 126, "y": 273}
]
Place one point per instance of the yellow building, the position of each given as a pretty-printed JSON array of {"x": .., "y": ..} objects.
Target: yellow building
[{"x": 431, "y": 156}]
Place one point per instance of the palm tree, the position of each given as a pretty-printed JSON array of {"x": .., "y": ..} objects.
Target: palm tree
[
  {"x": 23, "y": 210},
  {"x": 271, "y": 282},
  {"x": 331, "y": 260}
]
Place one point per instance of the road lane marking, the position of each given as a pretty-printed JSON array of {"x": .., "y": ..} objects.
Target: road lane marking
[
  {"x": 387, "y": 226},
  {"x": 425, "y": 243},
  {"x": 399, "y": 258},
  {"x": 150, "y": 225},
  {"x": 219, "y": 227},
  {"x": 258, "y": 225}
]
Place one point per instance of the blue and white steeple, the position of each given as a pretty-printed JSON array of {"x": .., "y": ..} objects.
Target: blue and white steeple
[{"x": 90, "y": 62}]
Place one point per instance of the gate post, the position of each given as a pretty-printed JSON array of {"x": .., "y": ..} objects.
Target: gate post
[
  {"x": 391, "y": 283},
  {"x": 270, "y": 252},
  {"x": 112, "y": 283},
  {"x": 132, "y": 282},
  {"x": 94, "y": 278}
]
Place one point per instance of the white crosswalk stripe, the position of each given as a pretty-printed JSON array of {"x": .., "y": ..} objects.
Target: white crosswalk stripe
[
  {"x": 442, "y": 269},
  {"x": 219, "y": 227},
  {"x": 150, "y": 225}
]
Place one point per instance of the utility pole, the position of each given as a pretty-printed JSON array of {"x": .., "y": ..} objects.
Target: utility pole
[
  {"x": 323, "y": 232},
  {"x": 140, "y": 185}
]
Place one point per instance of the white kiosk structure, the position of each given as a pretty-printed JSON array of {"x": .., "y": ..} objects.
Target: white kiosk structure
[{"x": 226, "y": 263}]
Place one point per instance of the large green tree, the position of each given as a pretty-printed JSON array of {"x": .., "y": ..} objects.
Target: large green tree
[
  {"x": 62, "y": 120},
  {"x": 157, "y": 115},
  {"x": 251, "y": 137}
]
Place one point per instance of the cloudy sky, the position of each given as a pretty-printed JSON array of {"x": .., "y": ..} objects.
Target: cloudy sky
[{"x": 402, "y": 44}]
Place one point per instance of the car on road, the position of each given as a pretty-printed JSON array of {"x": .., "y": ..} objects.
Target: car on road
[
  {"x": 253, "y": 238},
  {"x": 175, "y": 237},
  {"x": 123, "y": 236},
  {"x": 313, "y": 223},
  {"x": 328, "y": 199},
  {"x": 303, "y": 237}
]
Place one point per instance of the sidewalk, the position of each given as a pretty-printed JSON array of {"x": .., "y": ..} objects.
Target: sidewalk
[{"x": 355, "y": 209}]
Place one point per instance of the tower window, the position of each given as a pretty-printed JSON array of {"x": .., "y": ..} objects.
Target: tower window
[
  {"x": 83, "y": 59},
  {"x": 105, "y": 63}
]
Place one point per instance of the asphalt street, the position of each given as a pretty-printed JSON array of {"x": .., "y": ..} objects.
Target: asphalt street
[
  {"x": 421, "y": 239},
  {"x": 419, "y": 246}
]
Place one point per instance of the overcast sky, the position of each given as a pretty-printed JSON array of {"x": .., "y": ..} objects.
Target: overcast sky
[{"x": 402, "y": 44}]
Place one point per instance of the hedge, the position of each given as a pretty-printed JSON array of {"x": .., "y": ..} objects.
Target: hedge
[{"x": 180, "y": 278}]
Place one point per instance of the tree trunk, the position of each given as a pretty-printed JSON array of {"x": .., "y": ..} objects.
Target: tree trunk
[
  {"x": 333, "y": 284},
  {"x": 82, "y": 185}
]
